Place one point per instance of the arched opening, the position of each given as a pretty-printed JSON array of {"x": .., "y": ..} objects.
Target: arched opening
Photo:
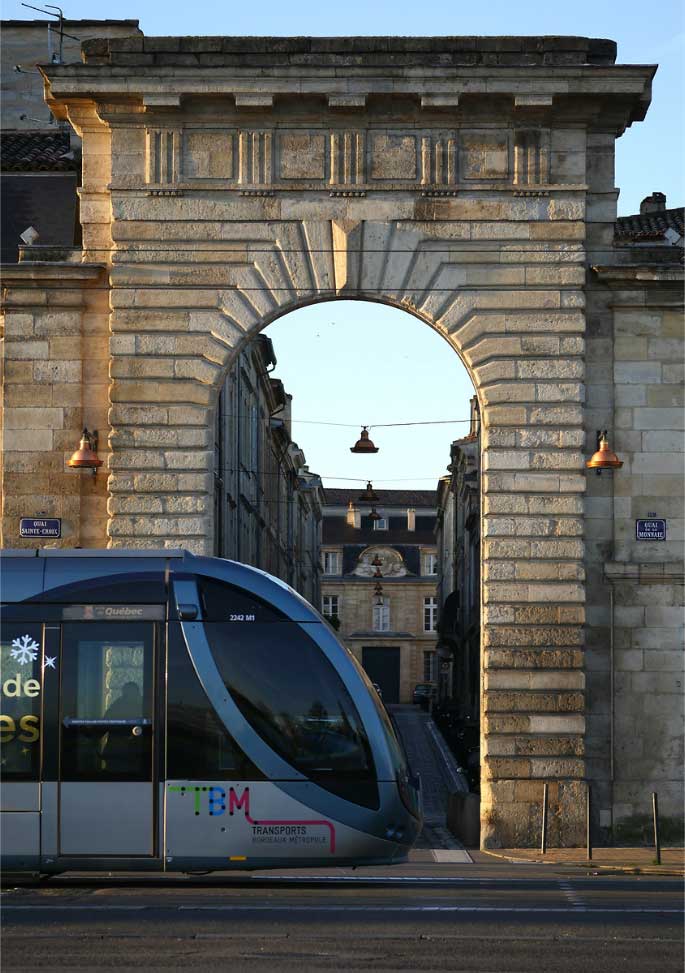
[{"x": 377, "y": 541}]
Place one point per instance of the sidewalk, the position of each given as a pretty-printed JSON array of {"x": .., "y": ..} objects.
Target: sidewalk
[{"x": 632, "y": 860}]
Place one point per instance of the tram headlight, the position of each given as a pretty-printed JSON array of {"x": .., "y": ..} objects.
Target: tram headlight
[{"x": 410, "y": 793}]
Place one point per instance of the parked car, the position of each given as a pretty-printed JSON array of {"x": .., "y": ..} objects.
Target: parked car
[{"x": 423, "y": 693}]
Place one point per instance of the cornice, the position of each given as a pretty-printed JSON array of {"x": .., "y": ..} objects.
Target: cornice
[{"x": 639, "y": 275}]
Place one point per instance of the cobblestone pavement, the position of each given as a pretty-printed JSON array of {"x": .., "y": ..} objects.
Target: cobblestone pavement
[{"x": 412, "y": 723}]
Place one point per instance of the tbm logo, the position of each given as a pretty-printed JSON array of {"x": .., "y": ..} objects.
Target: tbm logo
[{"x": 217, "y": 799}]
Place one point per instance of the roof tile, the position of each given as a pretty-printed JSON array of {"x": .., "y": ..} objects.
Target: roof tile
[
  {"x": 35, "y": 152},
  {"x": 649, "y": 226}
]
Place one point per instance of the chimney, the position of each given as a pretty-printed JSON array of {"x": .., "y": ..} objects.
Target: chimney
[
  {"x": 354, "y": 517},
  {"x": 287, "y": 414},
  {"x": 411, "y": 519},
  {"x": 656, "y": 203}
]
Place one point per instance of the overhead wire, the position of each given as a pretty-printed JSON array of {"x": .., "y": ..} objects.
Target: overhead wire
[
  {"x": 328, "y": 476},
  {"x": 354, "y": 425}
]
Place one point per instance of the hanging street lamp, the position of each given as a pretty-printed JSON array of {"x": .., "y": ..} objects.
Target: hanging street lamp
[
  {"x": 604, "y": 458},
  {"x": 368, "y": 495},
  {"x": 364, "y": 444},
  {"x": 374, "y": 515}
]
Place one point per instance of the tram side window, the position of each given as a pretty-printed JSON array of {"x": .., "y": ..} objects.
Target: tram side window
[
  {"x": 22, "y": 684},
  {"x": 134, "y": 588},
  {"x": 198, "y": 746},
  {"x": 224, "y": 602},
  {"x": 286, "y": 688}
]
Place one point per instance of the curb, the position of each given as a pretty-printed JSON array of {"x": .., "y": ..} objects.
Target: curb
[{"x": 624, "y": 869}]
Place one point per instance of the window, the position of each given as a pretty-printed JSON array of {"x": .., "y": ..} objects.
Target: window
[
  {"x": 381, "y": 524},
  {"x": 430, "y": 564},
  {"x": 20, "y": 655},
  {"x": 430, "y": 614},
  {"x": 332, "y": 562},
  {"x": 381, "y": 616},
  {"x": 289, "y": 692},
  {"x": 331, "y": 606},
  {"x": 429, "y": 666},
  {"x": 198, "y": 746}
]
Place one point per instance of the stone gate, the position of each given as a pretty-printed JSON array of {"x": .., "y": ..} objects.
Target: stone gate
[{"x": 228, "y": 181}]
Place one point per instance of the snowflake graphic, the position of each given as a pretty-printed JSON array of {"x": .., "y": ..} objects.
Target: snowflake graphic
[{"x": 24, "y": 650}]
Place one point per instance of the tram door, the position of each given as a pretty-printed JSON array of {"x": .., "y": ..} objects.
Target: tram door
[{"x": 106, "y": 781}]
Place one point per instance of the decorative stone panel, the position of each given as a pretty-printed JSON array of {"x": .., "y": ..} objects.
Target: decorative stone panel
[
  {"x": 302, "y": 155},
  {"x": 209, "y": 154},
  {"x": 484, "y": 155}
]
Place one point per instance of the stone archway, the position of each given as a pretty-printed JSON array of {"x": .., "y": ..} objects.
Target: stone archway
[{"x": 229, "y": 181}]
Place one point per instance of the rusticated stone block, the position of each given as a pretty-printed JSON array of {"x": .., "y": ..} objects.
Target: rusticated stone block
[
  {"x": 509, "y": 723},
  {"x": 498, "y": 658},
  {"x": 503, "y": 768},
  {"x": 533, "y": 702},
  {"x": 550, "y": 767},
  {"x": 543, "y": 635},
  {"x": 556, "y": 746}
]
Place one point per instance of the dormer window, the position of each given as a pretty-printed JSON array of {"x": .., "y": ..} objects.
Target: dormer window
[
  {"x": 332, "y": 562},
  {"x": 381, "y": 524}
]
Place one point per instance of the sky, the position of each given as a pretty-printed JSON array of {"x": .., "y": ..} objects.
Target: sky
[
  {"x": 360, "y": 363},
  {"x": 363, "y": 363}
]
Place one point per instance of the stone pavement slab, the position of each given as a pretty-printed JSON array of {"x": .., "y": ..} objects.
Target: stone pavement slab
[{"x": 638, "y": 860}]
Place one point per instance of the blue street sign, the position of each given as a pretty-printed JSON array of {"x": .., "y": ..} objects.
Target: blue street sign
[
  {"x": 32, "y": 527},
  {"x": 650, "y": 530}
]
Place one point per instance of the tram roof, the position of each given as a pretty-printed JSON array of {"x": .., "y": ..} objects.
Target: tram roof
[
  {"x": 33, "y": 576},
  {"x": 94, "y": 552}
]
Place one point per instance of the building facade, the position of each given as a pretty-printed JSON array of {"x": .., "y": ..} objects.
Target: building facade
[
  {"x": 479, "y": 196},
  {"x": 379, "y": 584},
  {"x": 267, "y": 505},
  {"x": 458, "y": 529}
]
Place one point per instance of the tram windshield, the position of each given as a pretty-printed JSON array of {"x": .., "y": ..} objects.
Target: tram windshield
[{"x": 288, "y": 691}]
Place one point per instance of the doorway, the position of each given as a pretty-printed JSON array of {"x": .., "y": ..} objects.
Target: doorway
[
  {"x": 382, "y": 666},
  {"x": 106, "y": 790}
]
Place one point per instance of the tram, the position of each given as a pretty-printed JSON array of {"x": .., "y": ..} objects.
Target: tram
[{"x": 171, "y": 712}]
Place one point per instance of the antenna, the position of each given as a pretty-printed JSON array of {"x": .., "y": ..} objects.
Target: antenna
[{"x": 48, "y": 10}]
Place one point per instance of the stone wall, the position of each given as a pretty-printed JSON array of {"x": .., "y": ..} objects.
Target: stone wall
[
  {"x": 636, "y": 611},
  {"x": 55, "y": 379}
]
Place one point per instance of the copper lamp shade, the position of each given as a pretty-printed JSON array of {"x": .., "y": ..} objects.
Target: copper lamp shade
[
  {"x": 86, "y": 457},
  {"x": 374, "y": 515},
  {"x": 604, "y": 458},
  {"x": 368, "y": 496},
  {"x": 364, "y": 444}
]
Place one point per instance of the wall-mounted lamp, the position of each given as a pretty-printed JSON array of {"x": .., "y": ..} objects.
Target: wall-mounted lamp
[
  {"x": 604, "y": 458},
  {"x": 86, "y": 456},
  {"x": 378, "y": 594}
]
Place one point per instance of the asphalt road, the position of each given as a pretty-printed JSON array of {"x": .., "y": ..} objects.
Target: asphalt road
[{"x": 490, "y": 919}]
